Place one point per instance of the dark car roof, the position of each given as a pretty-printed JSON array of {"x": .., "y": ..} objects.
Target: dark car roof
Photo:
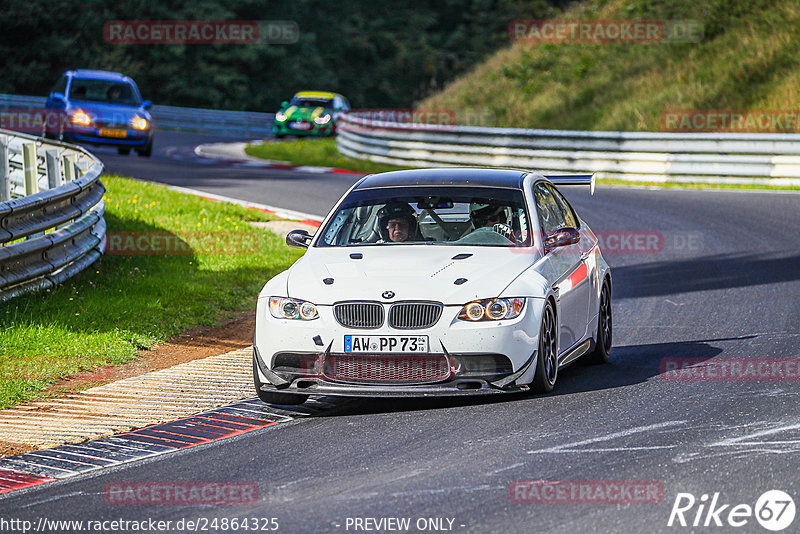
[
  {"x": 99, "y": 75},
  {"x": 472, "y": 176}
]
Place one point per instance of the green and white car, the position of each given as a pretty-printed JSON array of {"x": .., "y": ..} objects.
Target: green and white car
[{"x": 310, "y": 113}]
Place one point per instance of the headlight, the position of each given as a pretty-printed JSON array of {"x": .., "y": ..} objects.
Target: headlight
[
  {"x": 286, "y": 308},
  {"x": 80, "y": 118},
  {"x": 492, "y": 309},
  {"x": 280, "y": 116},
  {"x": 323, "y": 119},
  {"x": 139, "y": 123}
]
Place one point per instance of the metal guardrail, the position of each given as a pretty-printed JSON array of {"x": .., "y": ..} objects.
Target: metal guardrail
[
  {"x": 772, "y": 159},
  {"x": 51, "y": 212},
  {"x": 180, "y": 118}
]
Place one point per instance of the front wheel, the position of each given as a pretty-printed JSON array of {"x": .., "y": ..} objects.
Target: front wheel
[
  {"x": 273, "y": 397},
  {"x": 544, "y": 380},
  {"x": 605, "y": 330},
  {"x": 123, "y": 151},
  {"x": 146, "y": 151}
]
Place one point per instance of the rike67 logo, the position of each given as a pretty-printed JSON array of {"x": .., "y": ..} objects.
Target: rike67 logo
[{"x": 774, "y": 510}]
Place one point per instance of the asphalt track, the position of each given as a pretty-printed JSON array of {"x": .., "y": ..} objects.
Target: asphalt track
[{"x": 724, "y": 283}]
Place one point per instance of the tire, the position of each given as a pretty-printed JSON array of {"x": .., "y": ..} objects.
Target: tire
[
  {"x": 279, "y": 136},
  {"x": 146, "y": 151},
  {"x": 544, "y": 380},
  {"x": 605, "y": 329},
  {"x": 123, "y": 151},
  {"x": 272, "y": 397}
]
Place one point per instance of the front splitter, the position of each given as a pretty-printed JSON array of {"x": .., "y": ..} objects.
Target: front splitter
[{"x": 447, "y": 389}]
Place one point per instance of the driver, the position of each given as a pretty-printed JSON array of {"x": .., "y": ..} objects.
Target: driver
[
  {"x": 114, "y": 93},
  {"x": 397, "y": 223},
  {"x": 487, "y": 216},
  {"x": 490, "y": 217}
]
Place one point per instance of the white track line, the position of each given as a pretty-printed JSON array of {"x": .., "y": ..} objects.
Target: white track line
[{"x": 280, "y": 212}]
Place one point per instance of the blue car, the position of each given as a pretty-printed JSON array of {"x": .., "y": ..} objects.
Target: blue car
[{"x": 100, "y": 108}]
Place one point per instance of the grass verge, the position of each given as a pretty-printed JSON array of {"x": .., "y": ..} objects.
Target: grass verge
[
  {"x": 318, "y": 152},
  {"x": 126, "y": 302},
  {"x": 745, "y": 60}
]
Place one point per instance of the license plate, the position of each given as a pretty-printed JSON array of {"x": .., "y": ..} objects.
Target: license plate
[
  {"x": 113, "y": 132},
  {"x": 387, "y": 344},
  {"x": 300, "y": 125}
]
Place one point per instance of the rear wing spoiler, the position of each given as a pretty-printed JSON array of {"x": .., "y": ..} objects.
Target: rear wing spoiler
[{"x": 574, "y": 179}]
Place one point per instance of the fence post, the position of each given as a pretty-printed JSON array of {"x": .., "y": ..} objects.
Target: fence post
[
  {"x": 29, "y": 168},
  {"x": 5, "y": 170},
  {"x": 70, "y": 168},
  {"x": 54, "y": 178}
]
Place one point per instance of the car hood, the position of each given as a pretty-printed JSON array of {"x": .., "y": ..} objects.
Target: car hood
[
  {"x": 411, "y": 272},
  {"x": 305, "y": 113},
  {"x": 109, "y": 113}
]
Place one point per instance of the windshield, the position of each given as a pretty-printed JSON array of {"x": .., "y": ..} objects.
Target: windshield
[
  {"x": 311, "y": 102},
  {"x": 106, "y": 91},
  {"x": 477, "y": 216}
]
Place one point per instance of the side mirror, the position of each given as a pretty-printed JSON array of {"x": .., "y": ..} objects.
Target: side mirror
[
  {"x": 59, "y": 98},
  {"x": 298, "y": 239},
  {"x": 147, "y": 104},
  {"x": 284, "y": 104},
  {"x": 561, "y": 238}
]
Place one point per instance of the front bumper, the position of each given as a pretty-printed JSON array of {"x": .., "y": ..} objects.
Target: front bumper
[
  {"x": 456, "y": 384},
  {"x": 133, "y": 138},
  {"x": 482, "y": 358},
  {"x": 283, "y": 128}
]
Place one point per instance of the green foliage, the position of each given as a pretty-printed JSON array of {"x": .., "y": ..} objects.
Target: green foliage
[
  {"x": 746, "y": 59},
  {"x": 388, "y": 53}
]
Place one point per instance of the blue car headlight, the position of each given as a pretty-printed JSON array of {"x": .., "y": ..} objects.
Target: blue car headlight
[
  {"x": 80, "y": 118},
  {"x": 139, "y": 123}
]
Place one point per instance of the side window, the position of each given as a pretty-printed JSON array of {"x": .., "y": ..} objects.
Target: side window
[
  {"x": 60, "y": 86},
  {"x": 550, "y": 216},
  {"x": 566, "y": 210},
  {"x": 345, "y": 104}
]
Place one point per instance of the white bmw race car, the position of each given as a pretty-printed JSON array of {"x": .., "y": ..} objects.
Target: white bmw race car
[{"x": 436, "y": 282}]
